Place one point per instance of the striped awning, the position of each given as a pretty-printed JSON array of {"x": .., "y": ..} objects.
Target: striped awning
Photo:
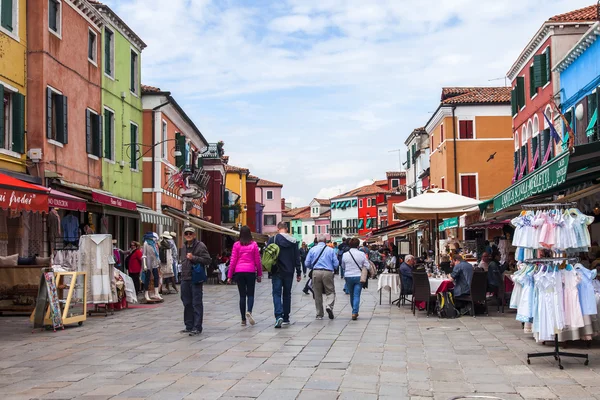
[{"x": 149, "y": 216}]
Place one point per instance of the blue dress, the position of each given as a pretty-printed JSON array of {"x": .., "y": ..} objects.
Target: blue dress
[{"x": 587, "y": 299}]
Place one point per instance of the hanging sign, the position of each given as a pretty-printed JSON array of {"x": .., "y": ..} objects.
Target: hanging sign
[
  {"x": 113, "y": 201},
  {"x": 549, "y": 176},
  {"x": 448, "y": 224},
  {"x": 26, "y": 201}
]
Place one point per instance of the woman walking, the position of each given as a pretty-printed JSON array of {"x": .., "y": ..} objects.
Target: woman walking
[
  {"x": 246, "y": 267},
  {"x": 353, "y": 261}
]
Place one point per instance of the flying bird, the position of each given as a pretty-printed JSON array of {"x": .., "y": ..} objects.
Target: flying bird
[{"x": 491, "y": 156}]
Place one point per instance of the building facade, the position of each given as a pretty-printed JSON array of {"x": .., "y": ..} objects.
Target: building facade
[
  {"x": 13, "y": 87},
  {"x": 122, "y": 114},
  {"x": 235, "y": 207},
  {"x": 344, "y": 216},
  {"x": 534, "y": 85},
  {"x": 472, "y": 134},
  {"x": 251, "y": 182},
  {"x": 269, "y": 194},
  {"x": 417, "y": 164},
  {"x": 368, "y": 212}
]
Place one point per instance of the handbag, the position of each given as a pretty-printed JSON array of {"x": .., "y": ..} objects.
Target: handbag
[
  {"x": 198, "y": 273},
  {"x": 364, "y": 272}
]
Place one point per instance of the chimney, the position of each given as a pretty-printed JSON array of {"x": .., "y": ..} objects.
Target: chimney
[{"x": 282, "y": 204}]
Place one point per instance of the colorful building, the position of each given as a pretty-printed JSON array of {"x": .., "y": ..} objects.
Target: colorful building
[
  {"x": 417, "y": 164},
  {"x": 295, "y": 215},
  {"x": 13, "y": 88},
  {"x": 320, "y": 212},
  {"x": 251, "y": 182},
  {"x": 122, "y": 114},
  {"x": 344, "y": 216},
  {"x": 269, "y": 194},
  {"x": 368, "y": 199},
  {"x": 471, "y": 141},
  {"x": 213, "y": 165},
  {"x": 534, "y": 85},
  {"x": 235, "y": 206}
]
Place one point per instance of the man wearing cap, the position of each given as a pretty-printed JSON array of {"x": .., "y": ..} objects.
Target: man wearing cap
[{"x": 193, "y": 252}]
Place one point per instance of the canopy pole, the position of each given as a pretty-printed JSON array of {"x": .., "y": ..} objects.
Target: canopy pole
[{"x": 437, "y": 239}]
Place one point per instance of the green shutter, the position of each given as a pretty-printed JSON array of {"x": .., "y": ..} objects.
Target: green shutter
[
  {"x": 108, "y": 134},
  {"x": 360, "y": 223},
  {"x": 133, "y": 146},
  {"x": 521, "y": 91},
  {"x": 6, "y": 14},
  {"x": 513, "y": 101},
  {"x": 62, "y": 120},
  {"x": 532, "y": 82},
  {"x": 540, "y": 70},
  {"x": 548, "y": 67},
  {"x": 1, "y": 116},
  {"x": 49, "y": 113},
  {"x": 89, "y": 143},
  {"x": 18, "y": 134},
  {"x": 107, "y": 45},
  {"x": 408, "y": 159},
  {"x": 98, "y": 136},
  {"x": 414, "y": 150},
  {"x": 180, "y": 143},
  {"x": 132, "y": 68}
]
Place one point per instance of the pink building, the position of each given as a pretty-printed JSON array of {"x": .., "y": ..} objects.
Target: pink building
[
  {"x": 322, "y": 224},
  {"x": 269, "y": 194}
]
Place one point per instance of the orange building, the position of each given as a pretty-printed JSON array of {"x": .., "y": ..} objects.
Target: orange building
[{"x": 471, "y": 141}]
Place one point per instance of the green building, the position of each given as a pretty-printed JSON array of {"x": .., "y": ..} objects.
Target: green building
[
  {"x": 122, "y": 107},
  {"x": 296, "y": 225}
]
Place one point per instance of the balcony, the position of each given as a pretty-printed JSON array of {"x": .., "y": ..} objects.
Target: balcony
[{"x": 213, "y": 150}]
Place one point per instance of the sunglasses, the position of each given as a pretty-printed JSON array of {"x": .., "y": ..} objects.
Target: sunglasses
[{"x": 188, "y": 233}]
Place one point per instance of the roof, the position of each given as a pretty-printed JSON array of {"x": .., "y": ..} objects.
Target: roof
[
  {"x": 256, "y": 178},
  {"x": 304, "y": 214},
  {"x": 151, "y": 89},
  {"x": 476, "y": 95},
  {"x": 326, "y": 214},
  {"x": 266, "y": 183},
  {"x": 395, "y": 174},
  {"x": 323, "y": 202},
  {"x": 232, "y": 168},
  {"x": 87, "y": 9},
  {"x": 225, "y": 159},
  {"x": 114, "y": 19},
  {"x": 295, "y": 211},
  {"x": 362, "y": 191},
  {"x": 589, "y": 13},
  {"x": 380, "y": 182}
]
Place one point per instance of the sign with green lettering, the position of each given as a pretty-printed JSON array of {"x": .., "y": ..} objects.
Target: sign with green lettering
[
  {"x": 448, "y": 224},
  {"x": 549, "y": 176}
]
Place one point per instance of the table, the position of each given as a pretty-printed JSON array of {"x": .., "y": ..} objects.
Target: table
[
  {"x": 390, "y": 282},
  {"x": 436, "y": 285}
]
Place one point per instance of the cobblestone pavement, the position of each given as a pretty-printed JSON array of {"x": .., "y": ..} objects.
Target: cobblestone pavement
[{"x": 386, "y": 354}]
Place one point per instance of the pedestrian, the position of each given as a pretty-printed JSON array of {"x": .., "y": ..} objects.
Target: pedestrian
[
  {"x": 353, "y": 262},
  {"x": 245, "y": 267},
  {"x": 134, "y": 265},
  {"x": 323, "y": 262},
  {"x": 303, "y": 254},
  {"x": 282, "y": 274},
  {"x": 193, "y": 252}
]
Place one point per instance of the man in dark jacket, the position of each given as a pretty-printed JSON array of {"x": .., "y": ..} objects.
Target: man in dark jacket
[
  {"x": 193, "y": 252},
  {"x": 282, "y": 274}
]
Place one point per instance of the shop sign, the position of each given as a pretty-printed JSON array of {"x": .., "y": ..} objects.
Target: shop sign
[
  {"x": 66, "y": 204},
  {"x": 448, "y": 224},
  {"x": 549, "y": 176},
  {"x": 27, "y": 201},
  {"x": 114, "y": 201}
]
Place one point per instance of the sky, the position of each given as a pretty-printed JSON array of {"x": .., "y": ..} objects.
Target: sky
[{"x": 319, "y": 94}]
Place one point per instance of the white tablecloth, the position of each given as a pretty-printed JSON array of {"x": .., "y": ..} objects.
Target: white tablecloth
[
  {"x": 435, "y": 283},
  {"x": 390, "y": 282}
]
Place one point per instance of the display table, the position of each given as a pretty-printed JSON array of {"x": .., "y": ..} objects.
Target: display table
[{"x": 389, "y": 282}]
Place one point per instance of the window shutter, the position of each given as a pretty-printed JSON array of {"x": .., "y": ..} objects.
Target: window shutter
[
  {"x": 464, "y": 185},
  {"x": 533, "y": 79},
  {"x": 18, "y": 135},
  {"x": 107, "y": 135},
  {"x": 48, "y": 113},
  {"x": 513, "y": 101},
  {"x": 180, "y": 143},
  {"x": 62, "y": 121},
  {"x": 540, "y": 70},
  {"x": 133, "y": 147},
  {"x": 98, "y": 136},
  {"x": 414, "y": 150},
  {"x": 89, "y": 144},
  {"x": 469, "y": 129},
  {"x": 441, "y": 133},
  {"x": 6, "y": 13},
  {"x": 516, "y": 162},
  {"x": 524, "y": 159},
  {"x": 521, "y": 91},
  {"x": 473, "y": 186},
  {"x": 433, "y": 142},
  {"x": 462, "y": 129},
  {"x": 548, "y": 76},
  {"x": 2, "y": 115},
  {"x": 535, "y": 148},
  {"x": 107, "y": 46},
  {"x": 408, "y": 159}
]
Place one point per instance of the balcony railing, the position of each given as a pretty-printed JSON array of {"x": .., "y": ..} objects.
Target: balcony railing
[{"x": 213, "y": 150}]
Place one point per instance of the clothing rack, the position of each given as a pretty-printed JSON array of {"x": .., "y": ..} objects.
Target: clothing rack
[
  {"x": 550, "y": 259},
  {"x": 549, "y": 205}
]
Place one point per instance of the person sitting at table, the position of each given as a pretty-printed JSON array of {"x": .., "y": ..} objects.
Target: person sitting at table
[
  {"x": 406, "y": 273},
  {"x": 485, "y": 261},
  {"x": 445, "y": 265},
  {"x": 495, "y": 271},
  {"x": 461, "y": 276}
]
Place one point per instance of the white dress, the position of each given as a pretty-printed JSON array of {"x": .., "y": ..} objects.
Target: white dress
[{"x": 573, "y": 314}]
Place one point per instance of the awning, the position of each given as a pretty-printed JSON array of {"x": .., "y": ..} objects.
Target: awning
[
  {"x": 16, "y": 194},
  {"x": 199, "y": 223},
  {"x": 66, "y": 201},
  {"x": 149, "y": 216},
  {"x": 590, "y": 129},
  {"x": 488, "y": 225},
  {"x": 110, "y": 200}
]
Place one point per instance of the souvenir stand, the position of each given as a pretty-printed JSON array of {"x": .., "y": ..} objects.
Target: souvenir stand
[{"x": 553, "y": 295}]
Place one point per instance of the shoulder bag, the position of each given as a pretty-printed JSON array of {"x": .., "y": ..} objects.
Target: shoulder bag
[
  {"x": 315, "y": 263},
  {"x": 364, "y": 272}
]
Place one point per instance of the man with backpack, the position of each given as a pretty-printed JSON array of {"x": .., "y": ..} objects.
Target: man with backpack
[
  {"x": 323, "y": 262},
  {"x": 282, "y": 272}
]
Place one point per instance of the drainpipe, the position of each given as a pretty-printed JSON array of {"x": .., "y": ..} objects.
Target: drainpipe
[
  {"x": 154, "y": 110},
  {"x": 454, "y": 137}
]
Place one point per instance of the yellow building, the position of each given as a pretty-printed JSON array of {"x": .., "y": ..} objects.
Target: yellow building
[
  {"x": 235, "y": 207},
  {"x": 13, "y": 84}
]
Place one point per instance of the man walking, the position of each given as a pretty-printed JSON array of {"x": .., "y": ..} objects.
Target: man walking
[
  {"x": 193, "y": 252},
  {"x": 282, "y": 273},
  {"x": 323, "y": 262}
]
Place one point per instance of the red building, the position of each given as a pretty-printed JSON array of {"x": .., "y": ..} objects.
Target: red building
[
  {"x": 534, "y": 84},
  {"x": 368, "y": 198},
  {"x": 397, "y": 181},
  {"x": 215, "y": 169},
  {"x": 251, "y": 182}
]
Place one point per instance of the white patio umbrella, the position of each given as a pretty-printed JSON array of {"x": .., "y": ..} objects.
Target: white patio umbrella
[{"x": 435, "y": 204}]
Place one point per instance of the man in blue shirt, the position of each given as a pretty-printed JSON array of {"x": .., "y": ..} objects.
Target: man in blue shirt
[
  {"x": 461, "y": 275},
  {"x": 322, "y": 261}
]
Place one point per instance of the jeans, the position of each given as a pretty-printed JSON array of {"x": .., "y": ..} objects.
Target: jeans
[
  {"x": 282, "y": 289},
  {"x": 193, "y": 309},
  {"x": 147, "y": 280},
  {"x": 245, "y": 283},
  {"x": 303, "y": 268},
  {"x": 355, "y": 287},
  {"x": 136, "y": 280}
]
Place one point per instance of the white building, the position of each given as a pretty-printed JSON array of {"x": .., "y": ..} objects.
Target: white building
[
  {"x": 417, "y": 164},
  {"x": 344, "y": 216}
]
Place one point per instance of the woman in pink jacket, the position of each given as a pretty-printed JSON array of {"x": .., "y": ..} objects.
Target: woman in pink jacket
[{"x": 245, "y": 265}]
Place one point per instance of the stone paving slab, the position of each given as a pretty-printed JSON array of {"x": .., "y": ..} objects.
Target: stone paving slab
[{"x": 387, "y": 354}]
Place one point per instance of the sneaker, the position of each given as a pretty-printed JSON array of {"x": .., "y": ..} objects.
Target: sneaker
[
  {"x": 185, "y": 331},
  {"x": 250, "y": 318},
  {"x": 354, "y": 317},
  {"x": 278, "y": 323},
  {"x": 243, "y": 322},
  {"x": 329, "y": 312},
  {"x": 195, "y": 332},
  {"x": 305, "y": 292},
  {"x": 319, "y": 318},
  {"x": 286, "y": 323}
]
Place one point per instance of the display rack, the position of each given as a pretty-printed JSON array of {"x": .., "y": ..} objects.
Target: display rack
[{"x": 71, "y": 292}]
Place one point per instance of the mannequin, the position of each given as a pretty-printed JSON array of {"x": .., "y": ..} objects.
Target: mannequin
[
  {"x": 151, "y": 262},
  {"x": 175, "y": 254},
  {"x": 166, "y": 263}
]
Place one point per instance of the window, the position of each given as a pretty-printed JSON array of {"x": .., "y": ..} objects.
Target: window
[
  {"x": 9, "y": 17},
  {"x": 468, "y": 186},
  {"x": 109, "y": 52},
  {"x": 532, "y": 81},
  {"x": 133, "y": 130},
  {"x": 305, "y": 230},
  {"x": 270, "y": 220},
  {"x": 360, "y": 203},
  {"x": 441, "y": 133},
  {"x": 326, "y": 228},
  {"x": 165, "y": 137},
  {"x": 319, "y": 230},
  {"x": 432, "y": 141},
  {"x": 373, "y": 202},
  {"x": 109, "y": 133},
  {"x": 55, "y": 16},
  {"x": 269, "y": 195},
  {"x": 517, "y": 95},
  {"x": 92, "y": 48},
  {"x": 313, "y": 229},
  {"x": 443, "y": 183},
  {"x": 56, "y": 117},
  {"x": 395, "y": 183},
  {"x": 93, "y": 133},
  {"x": 12, "y": 120},
  {"x": 134, "y": 72},
  {"x": 465, "y": 129}
]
